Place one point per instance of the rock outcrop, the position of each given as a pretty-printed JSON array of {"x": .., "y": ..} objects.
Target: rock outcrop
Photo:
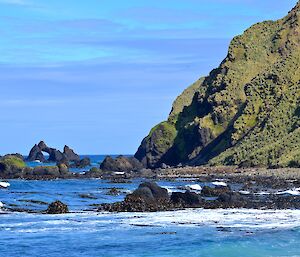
[
  {"x": 65, "y": 157},
  {"x": 246, "y": 112},
  {"x": 57, "y": 207},
  {"x": 70, "y": 154},
  {"x": 121, "y": 164}
]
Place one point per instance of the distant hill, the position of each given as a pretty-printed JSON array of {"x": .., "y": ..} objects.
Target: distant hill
[{"x": 246, "y": 112}]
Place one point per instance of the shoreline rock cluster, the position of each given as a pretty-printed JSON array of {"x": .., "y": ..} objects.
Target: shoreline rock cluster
[{"x": 149, "y": 197}]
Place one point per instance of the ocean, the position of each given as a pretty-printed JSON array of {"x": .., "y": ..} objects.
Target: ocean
[{"x": 84, "y": 232}]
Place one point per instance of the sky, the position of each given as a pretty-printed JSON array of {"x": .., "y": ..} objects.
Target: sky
[{"x": 98, "y": 74}]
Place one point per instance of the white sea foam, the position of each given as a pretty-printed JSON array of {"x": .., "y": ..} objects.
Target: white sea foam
[
  {"x": 91, "y": 221},
  {"x": 244, "y": 192},
  {"x": 262, "y": 193},
  {"x": 1, "y": 205},
  {"x": 170, "y": 189},
  {"x": 119, "y": 173},
  {"x": 195, "y": 187},
  {"x": 219, "y": 183},
  {"x": 235, "y": 218},
  {"x": 289, "y": 192},
  {"x": 4, "y": 184}
]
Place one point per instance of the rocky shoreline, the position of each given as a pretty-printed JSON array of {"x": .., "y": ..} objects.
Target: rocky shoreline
[{"x": 222, "y": 187}]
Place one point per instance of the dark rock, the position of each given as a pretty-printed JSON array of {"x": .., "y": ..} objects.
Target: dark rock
[
  {"x": 51, "y": 171},
  {"x": 64, "y": 161},
  {"x": 121, "y": 164},
  {"x": 63, "y": 169},
  {"x": 232, "y": 200},
  {"x": 94, "y": 173},
  {"x": 113, "y": 191},
  {"x": 43, "y": 147},
  {"x": 57, "y": 207},
  {"x": 148, "y": 197},
  {"x": 11, "y": 166},
  {"x": 87, "y": 196},
  {"x": 71, "y": 155},
  {"x": 187, "y": 199},
  {"x": 214, "y": 192},
  {"x": 85, "y": 162},
  {"x": 55, "y": 155},
  {"x": 17, "y": 155},
  {"x": 36, "y": 154},
  {"x": 158, "y": 193}
]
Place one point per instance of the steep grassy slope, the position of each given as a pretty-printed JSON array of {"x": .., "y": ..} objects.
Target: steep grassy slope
[{"x": 246, "y": 112}]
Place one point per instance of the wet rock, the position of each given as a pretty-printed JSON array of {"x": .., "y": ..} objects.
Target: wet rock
[
  {"x": 187, "y": 199},
  {"x": 114, "y": 192},
  {"x": 87, "y": 196},
  {"x": 232, "y": 200},
  {"x": 148, "y": 197},
  {"x": 33, "y": 201},
  {"x": 214, "y": 192},
  {"x": 151, "y": 191},
  {"x": 57, "y": 207}
]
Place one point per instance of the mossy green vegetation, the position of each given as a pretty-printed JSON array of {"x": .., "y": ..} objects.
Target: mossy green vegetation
[
  {"x": 246, "y": 112},
  {"x": 12, "y": 161}
]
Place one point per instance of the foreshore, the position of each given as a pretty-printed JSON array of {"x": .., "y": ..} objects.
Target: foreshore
[{"x": 227, "y": 172}]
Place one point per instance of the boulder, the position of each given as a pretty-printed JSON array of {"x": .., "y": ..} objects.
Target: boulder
[
  {"x": 187, "y": 199},
  {"x": 42, "y": 171},
  {"x": 157, "y": 192},
  {"x": 11, "y": 166},
  {"x": 114, "y": 192},
  {"x": 214, "y": 192},
  {"x": 85, "y": 162},
  {"x": 57, "y": 207},
  {"x": 148, "y": 197},
  {"x": 232, "y": 200},
  {"x": 63, "y": 169},
  {"x": 94, "y": 173},
  {"x": 121, "y": 164}
]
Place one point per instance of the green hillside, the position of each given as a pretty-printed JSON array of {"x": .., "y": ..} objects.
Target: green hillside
[{"x": 246, "y": 112}]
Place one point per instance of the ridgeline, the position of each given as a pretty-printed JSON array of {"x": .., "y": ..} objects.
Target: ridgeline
[{"x": 246, "y": 112}]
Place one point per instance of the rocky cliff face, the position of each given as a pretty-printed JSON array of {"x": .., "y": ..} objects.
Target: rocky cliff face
[{"x": 246, "y": 112}]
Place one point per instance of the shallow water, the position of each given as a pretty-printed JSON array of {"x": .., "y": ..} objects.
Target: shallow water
[{"x": 182, "y": 233}]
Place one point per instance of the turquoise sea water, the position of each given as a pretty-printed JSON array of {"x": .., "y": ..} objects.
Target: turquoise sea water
[{"x": 211, "y": 233}]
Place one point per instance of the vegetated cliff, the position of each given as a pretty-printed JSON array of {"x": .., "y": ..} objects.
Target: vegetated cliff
[{"x": 246, "y": 112}]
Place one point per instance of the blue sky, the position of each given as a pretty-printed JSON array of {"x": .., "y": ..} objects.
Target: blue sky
[{"x": 98, "y": 74}]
